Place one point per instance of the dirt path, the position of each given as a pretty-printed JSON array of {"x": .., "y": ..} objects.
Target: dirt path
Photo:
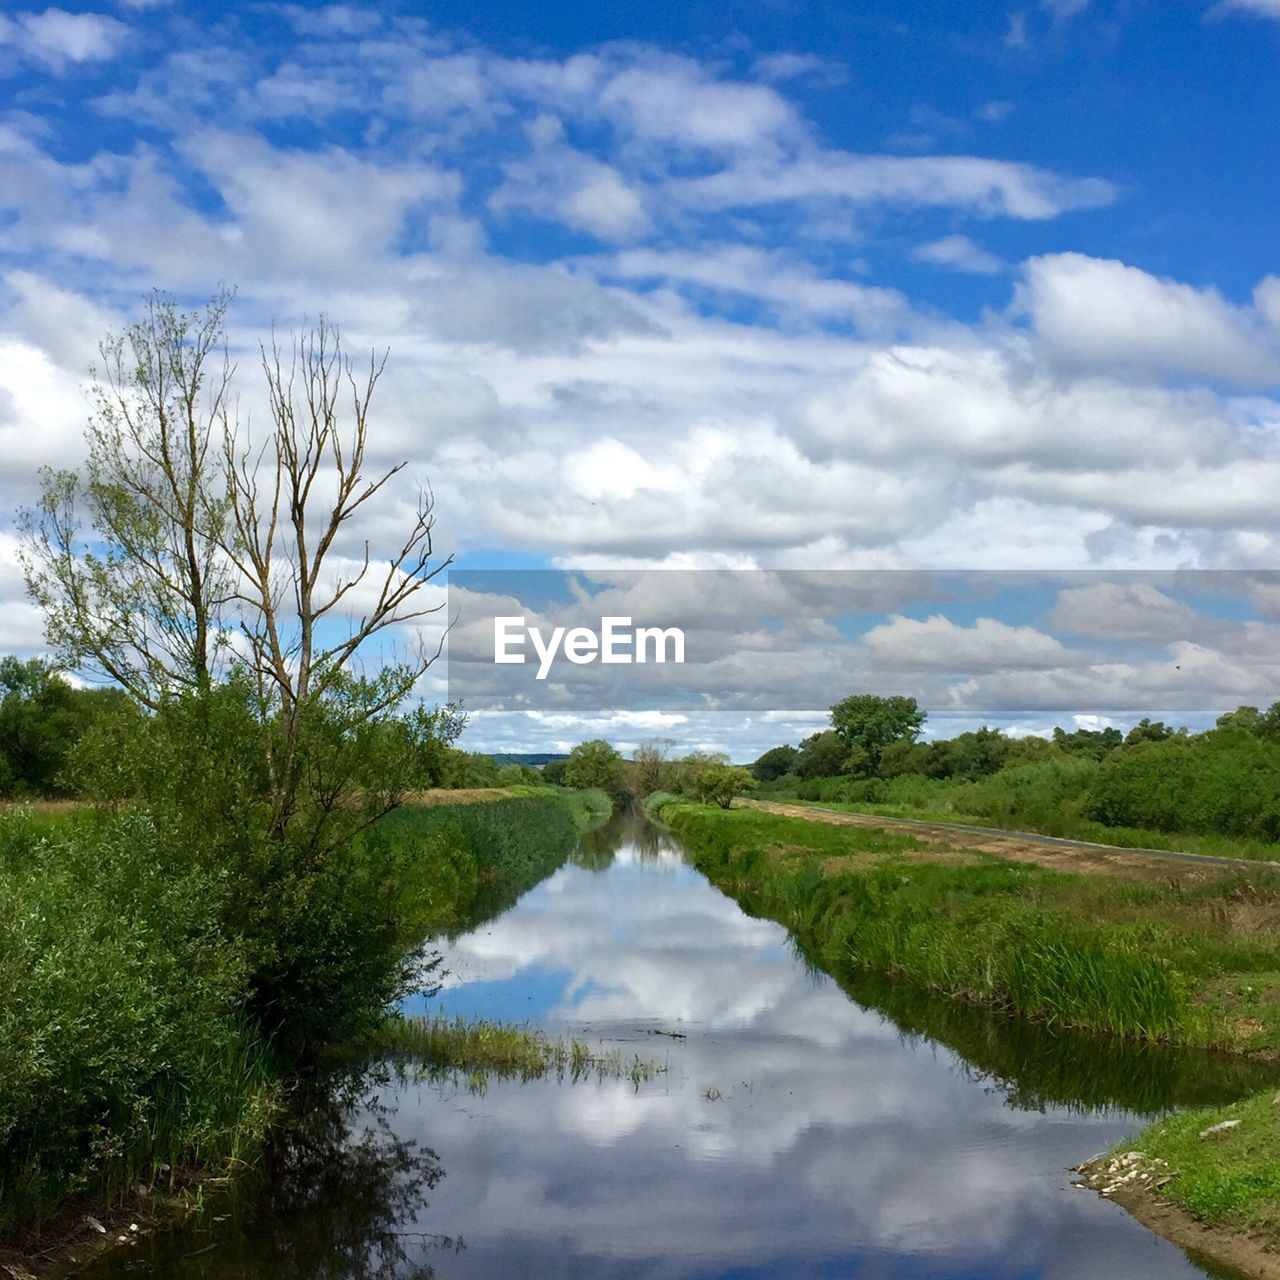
[{"x": 1054, "y": 852}]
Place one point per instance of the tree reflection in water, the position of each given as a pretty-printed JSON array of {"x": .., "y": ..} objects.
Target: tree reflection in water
[{"x": 337, "y": 1201}]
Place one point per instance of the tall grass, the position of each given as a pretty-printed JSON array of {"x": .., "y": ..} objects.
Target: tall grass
[
  {"x": 1152, "y": 961},
  {"x": 474, "y": 1050}
]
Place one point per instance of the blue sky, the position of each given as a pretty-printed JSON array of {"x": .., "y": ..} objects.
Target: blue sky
[{"x": 745, "y": 285}]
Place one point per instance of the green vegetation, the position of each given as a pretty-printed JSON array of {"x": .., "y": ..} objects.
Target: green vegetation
[
  {"x": 42, "y": 718},
  {"x": 597, "y": 766},
  {"x": 720, "y": 784},
  {"x": 1229, "y": 1176},
  {"x": 139, "y": 1048},
  {"x": 1188, "y": 964},
  {"x": 1214, "y": 792},
  {"x": 456, "y": 1047},
  {"x": 247, "y": 885}
]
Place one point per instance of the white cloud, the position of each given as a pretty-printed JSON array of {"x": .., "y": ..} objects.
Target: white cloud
[
  {"x": 937, "y": 643},
  {"x": 1124, "y": 611},
  {"x": 959, "y": 253},
  {"x": 562, "y": 183},
  {"x": 1101, "y": 313},
  {"x": 988, "y": 188},
  {"x": 59, "y": 40}
]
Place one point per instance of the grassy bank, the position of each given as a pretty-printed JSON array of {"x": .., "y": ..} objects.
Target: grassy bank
[
  {"x": 1054, "y": 798},
  {"x": 133, "y": 1054},
  {"x": 1187, "y": 962}
]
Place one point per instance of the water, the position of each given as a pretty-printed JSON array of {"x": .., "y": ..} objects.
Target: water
[{"x": 796, "y": 1132}]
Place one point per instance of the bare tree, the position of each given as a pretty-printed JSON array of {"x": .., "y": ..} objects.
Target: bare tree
[
  {"x": 127, "y": 560},
  {"x": 290, "y": 499}
]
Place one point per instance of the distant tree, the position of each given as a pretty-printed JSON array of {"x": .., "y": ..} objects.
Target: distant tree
[
  {"x": 1147, "y": 730},
  {"x": 867, "y": 723},
  {"x": 970, "y": 756},
  {"x": 822, "y": 755},
  {"x": 595, "y": 764},
  {"x": 42, "y": 718},
  {"x": 651, "y": 767},
  {"x": 553, "y": 772},
  {"x": 720, "y": 784},
  {"x": 1269, "y": 726},
  {"x": 1097, "y": 743},
  {"x": 774, "y": 763},
  {"x": 517, "y": 775}
]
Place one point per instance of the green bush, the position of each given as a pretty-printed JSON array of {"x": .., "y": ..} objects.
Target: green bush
[
  {"x": 1192, "y": 785},
  {"x": 1044, "y": 796},
  {"x": 125, "y": 1041}
]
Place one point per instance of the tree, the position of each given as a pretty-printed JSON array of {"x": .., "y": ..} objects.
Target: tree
[
  {"x": 214, "y": 577},
  {"x": 196, "y": 533},
  {"x": 1147, "y": 730},
  {"x": 652, "y": 768},
  {"x": 822, "y": 755},
  {"x": 141, "y": 599},
  {"x": 42, "y": 718},
  {"x": 721, "y": 783},
  {"x": 774, "y": 763},
  {"x": 1096, "y": 743},
  {"x": 595, "y": 764},
  {"x": 867, "y": 723}
]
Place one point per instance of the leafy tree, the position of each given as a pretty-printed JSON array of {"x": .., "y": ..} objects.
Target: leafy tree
[
  {"x": 972, "y": 755},
  {"x": 1147, "y": 730},
  {"x": 42, "y": 717},
  {"x": 822, "y": 755},
  {"x": 867, "y": 723},
  {"x": 269, "y": 761},
  {"x": 652, "y": 768},
  {"x": 774, "y": 763},
  {"x": 597, "y": 765},
  {"x": 721, "y": 783},
  {"x": 141, "y": 599},
  {"x": 1095, "y": 743},
  {"x": 553, "y": 772}
]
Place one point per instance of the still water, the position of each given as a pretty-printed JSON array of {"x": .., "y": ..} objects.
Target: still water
[{"x": 798, "y": 1130}]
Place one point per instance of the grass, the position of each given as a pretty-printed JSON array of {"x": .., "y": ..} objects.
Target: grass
[
  {"x": 1188, "y": 964},
  {"x": 952, "y": 802},
  {"x": 476, "y": 1050},
  {"x": 1230, "y": 1177}
]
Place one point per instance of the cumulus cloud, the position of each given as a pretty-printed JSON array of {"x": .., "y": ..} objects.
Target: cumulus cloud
[
  {"x": 687, "y": 358},
  {"x": 937, "y": 643},
  {"x": 1103, "y": 314}
]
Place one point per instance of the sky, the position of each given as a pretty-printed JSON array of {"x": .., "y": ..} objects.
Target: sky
[{"x": 770, "y": 286}]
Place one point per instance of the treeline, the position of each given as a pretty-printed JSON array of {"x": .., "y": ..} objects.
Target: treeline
[
  {"x": 44, "y": 718},
  {"x": 653, "y": 770},
  {"x": 1224, "y": 782}
]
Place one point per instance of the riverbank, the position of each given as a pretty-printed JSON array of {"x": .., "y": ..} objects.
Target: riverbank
[
  {"x": 1208, "y": 1180},
  {"x": 1184, "y": 956},
  {"x": 138, "y": 1074}
]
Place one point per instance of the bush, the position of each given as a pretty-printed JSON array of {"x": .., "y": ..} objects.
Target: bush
[
  {"x": 720, "y": 783},
  {"x": 125, "y": 1042},
  {"x": 1046, "y": 796},
  {"x": 1211, "y": 785}
]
